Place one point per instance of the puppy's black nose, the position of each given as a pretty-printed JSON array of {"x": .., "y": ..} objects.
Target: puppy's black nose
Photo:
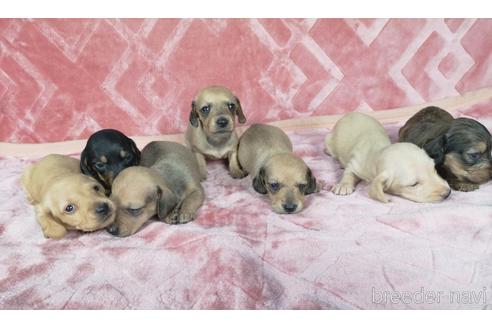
[
  {"x": 289, "y": 207},
  {"x": 446, "y": 195},
  {"x": 102, "y": 209},
  {"x": 222, "y": 122},
  {"x": 113, "y": 229}
]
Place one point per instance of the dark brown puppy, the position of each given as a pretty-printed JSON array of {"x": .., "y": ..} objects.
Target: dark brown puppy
[
  {"x": 106, "y": 154},
  {"x": 460, "y": 147}
]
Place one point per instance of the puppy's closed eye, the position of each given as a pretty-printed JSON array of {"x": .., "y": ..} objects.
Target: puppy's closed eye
[{"x": 134, "y": 211}]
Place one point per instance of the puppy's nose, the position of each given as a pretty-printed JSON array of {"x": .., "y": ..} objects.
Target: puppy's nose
[
  {"x": 102, "y": 209},
  {"x": 289, "y": 207},
  {"x": 222, "y": 122},
  {"x": 446, "y": 194},
  {"x": 113, "y": 229}
]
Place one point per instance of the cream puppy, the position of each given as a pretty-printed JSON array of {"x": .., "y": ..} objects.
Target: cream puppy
[{"x": 364, "y": 150}]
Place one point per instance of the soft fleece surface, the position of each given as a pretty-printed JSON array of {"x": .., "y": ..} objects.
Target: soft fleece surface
[{"x": 238, "y": 254}]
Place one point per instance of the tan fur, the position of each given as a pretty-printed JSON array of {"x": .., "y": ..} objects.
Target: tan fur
[
  {"x": 56, "y": 181},
  {"x": 167, "y": 184},
  {"x": 265, "y": 152},
  {"x": 363, "y": 148},
  {"x": 207, "y": 140}
]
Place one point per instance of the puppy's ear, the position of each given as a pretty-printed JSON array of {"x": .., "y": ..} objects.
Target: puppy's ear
[
  {"x": 50, "y": 226},
  {"x": 436, "y": 149},
  {"x": 193, "y": 115},
  {"x": 259, "y": 182},
  {"x": 378, "y": 186},
  {"x": 240, "y": 115},
  {"x": 166, "y": 202},
  {"x": 85, "y": 165},
  {"x": 311, "y": 187},
  {"x": 136, "y": 152}
]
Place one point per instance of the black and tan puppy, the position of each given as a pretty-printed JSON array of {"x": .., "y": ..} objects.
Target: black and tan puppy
[
  {"x": 265, "y": 152},
  {"x": 168, "y": 185},
  {"x": 211, "y": 130},
  {"x": 106, "y": 154},
  {"x": 65, "y": 199},
  {"x": 460, "y": 147}
]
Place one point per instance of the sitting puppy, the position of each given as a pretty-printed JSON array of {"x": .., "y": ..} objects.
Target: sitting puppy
[
  {"x": 65, "y": 199},
  {"x": 265, "y": 152},
  {"x": 363, "y": 148},
  {"x": 107, "y": 153},
  {"x": 211, "y": 132},
  {"x": 460, "y": 147},
  {"x": 168, "y": 185}
]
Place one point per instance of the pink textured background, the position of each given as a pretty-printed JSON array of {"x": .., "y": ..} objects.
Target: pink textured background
[{"x": 64, "y": 79}]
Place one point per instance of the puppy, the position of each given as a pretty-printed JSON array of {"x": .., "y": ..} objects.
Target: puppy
[
  {"x": 210, "y": 132},
  {"x": 364, "y": 150},
  {"x": 460, "y": 147},
  {"x": 65, "y": 199},
  {"x": 107, "y": 153},
  {"x": 169, "y": 186},
  {"x": 265, "y": 152}
]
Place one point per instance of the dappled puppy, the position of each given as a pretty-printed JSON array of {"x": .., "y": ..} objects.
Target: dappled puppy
[
  {"x": 364, "y": 150},
  {"x": 211, "y": 129},
  {"x": 460, "y": 147},
  {"x": 179, "y": 191},
  {"x": 139, "y": 194},
  {"x": 106, "y": 154},
  {"x": 265, "y": 152},
  {"x": 65, "y": 199}
]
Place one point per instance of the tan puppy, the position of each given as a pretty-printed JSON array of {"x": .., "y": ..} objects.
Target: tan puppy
[
  {"x": 363, "y": 148},
  {"x": 265, "y": 152},
  {"x": 65, "y": 199},
  {"x": 211, "y": 132},
  {"x": 168, "y": 186}
]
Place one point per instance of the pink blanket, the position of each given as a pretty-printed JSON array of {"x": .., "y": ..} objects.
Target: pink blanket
[{"x": 339, "y": 253}]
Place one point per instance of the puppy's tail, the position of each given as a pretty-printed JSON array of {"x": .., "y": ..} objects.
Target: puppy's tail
[
  {"x": 25, "y": 181},
  {"x": 328, "y": 145}
]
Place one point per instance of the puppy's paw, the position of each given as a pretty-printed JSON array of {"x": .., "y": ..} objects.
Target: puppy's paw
[
  {"x": 237, "y": 174},
  {"x": 464, "y": 186},
  {"x": 342, "y": 189},
  {"x": 179, "y": 217}
]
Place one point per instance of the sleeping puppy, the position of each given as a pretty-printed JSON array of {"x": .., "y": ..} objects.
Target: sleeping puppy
[
  {"x": 364, "y": 150},
  {"x": 107, "y": 153},
  {"x": 265, "y": 152},
  {"x": 171, "y": 188},
  {"x": 460, "y": 147},
  {"x": 210, "y": 132},
  {"x": 65, "y": 199}
]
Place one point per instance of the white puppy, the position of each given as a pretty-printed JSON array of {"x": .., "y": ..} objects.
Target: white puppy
[{"x": 364, "y": 150}]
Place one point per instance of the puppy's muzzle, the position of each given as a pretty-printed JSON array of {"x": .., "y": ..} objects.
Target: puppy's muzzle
[
  {"x": 222, "y": 122},
  {"x": 446, "y": 194},
  {"x": 289, "y": 207},
  {"x": 113, "y": 229}
]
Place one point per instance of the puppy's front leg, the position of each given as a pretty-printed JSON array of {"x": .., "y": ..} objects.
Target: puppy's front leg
[
  {"x": 51, "y": 228},
  {"x": 185, "y": 212},
  {"x": 463, "y": 186},
  {"x": 347, "y": 184},
  {"x": 202, "y": 165},
  {"x": 234, "y": 167}
]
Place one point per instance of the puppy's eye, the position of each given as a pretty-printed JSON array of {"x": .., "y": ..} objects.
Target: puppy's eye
[
  {"x": 100, "y": 166},
  {"x": 96, "y": 188},
  {"x": 70, "y": 208},
  {"x": 128, "y": 158},
  {"x": 274, "y": 186},
  {"x": 474, "y": 156},
  {"x": 231, "y": 106},
  {"x": 205, "y": 109},
  {"x": 134, "y": 211},
  {"x": 302, "y": 187},
  {"x": 415, "y": 184}
]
